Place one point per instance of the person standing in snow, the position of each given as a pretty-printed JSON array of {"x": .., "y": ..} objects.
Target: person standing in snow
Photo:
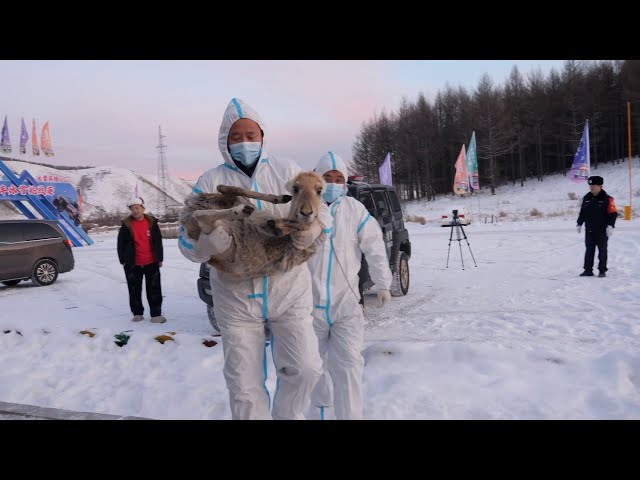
[
  {"x": 599, "y": 213},
  {"x": 338, "y": 314},
  {"x": 140, "y": 252},
  {"x": 282, "y": 301}
]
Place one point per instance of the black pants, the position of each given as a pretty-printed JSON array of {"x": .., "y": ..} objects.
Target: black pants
[
  {"x": 151, "y": 273},
  {"x": 593, "y": 240}
]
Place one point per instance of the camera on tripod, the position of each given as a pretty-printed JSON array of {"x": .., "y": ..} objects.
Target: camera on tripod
[{"x": 456, "y": 225}]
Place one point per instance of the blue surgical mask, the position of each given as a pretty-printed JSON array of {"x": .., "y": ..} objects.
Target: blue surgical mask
[
  {"x": 334, "y": 190},
  {"x": 247, "y": 153}
]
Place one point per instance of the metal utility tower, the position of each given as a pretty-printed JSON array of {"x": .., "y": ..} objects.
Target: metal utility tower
[{"x": 161, "y": 203}]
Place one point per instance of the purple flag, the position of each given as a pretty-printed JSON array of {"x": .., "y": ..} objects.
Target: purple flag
[
  {"x": 385, "y": 171},
  {"x": 581, "y": 167},
  {"x": 5, "y": 144},
  {"x": 24, "y": 138}
]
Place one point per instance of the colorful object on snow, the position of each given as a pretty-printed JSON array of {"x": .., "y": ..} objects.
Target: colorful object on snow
[
  {"x": 165, "y": 337},
  {"x": 122, "y": 338},
  {"x": 9, "y": 331}
]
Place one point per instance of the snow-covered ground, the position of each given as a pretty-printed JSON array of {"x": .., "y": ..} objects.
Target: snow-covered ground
[
  {"x": 551, "y": 198},
  {"x": 518, "y": 336}
]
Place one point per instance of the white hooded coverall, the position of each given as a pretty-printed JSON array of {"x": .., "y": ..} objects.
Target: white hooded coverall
[
  {"x": 242, "y": 307},
  {"x": 338, "y": 317}
]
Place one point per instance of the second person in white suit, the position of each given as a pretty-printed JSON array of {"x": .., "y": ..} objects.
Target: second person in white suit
[{"x": 338, "y": 316}]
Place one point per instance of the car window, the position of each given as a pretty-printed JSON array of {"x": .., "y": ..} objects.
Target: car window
[
  {"x": 39, "y": 231},
  {"x": 395, "y": 204},
  {"x": 10, "y": 232},
  {"x": 367, "y": 201},
  {"x": 381, "y": 203}
]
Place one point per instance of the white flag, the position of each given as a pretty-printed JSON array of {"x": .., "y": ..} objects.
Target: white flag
[{"x": 385, "y": 171}]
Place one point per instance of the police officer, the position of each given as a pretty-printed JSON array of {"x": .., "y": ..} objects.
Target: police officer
[{"x": 599, "y": 213}]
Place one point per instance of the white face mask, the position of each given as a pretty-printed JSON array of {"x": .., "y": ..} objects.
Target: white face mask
[
  {"x": 333, "y": 192},
  {"x": 247, "y": 153}
]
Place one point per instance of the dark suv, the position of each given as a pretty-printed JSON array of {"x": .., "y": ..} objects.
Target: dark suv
[
  {"x": 33, "y": 249},
  {"x": 382, "y": 203}
]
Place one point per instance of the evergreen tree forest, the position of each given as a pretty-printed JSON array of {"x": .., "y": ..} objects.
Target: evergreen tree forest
[{"x": 526, "y": 128}]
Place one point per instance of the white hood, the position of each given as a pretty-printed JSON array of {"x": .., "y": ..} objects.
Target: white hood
[
  {"x": 331, "y": 161},
  {"x": 236, "y": 110}
]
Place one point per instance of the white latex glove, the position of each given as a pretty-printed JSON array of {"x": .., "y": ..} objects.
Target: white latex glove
[
  {"x": 305, "y": 238},
  {"x": 213, "y": 243},
  {"x": 384, "y": 296},
  {"x": 609, "y": 230},
  {"x": 579, "y": 227}
]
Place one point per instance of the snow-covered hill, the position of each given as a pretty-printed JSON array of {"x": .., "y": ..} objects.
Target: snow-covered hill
[{"x": 106, "y": 189}]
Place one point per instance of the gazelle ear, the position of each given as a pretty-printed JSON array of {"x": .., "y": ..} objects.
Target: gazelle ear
[{"x": 289, "y": 185}]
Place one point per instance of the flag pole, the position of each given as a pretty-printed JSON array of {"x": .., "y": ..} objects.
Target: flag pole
[{"x": 627, "y": 208}]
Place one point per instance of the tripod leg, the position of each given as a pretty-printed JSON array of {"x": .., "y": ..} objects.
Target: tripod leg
[
  {"x": 449, "y": 249},
  {"x": 459, "y": 244},
  {"x": 465, "y": 237}
]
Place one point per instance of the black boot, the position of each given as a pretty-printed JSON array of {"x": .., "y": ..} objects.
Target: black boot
[
  {"x": 602, "y": 274},
  {"x": 587, "y": 273}
]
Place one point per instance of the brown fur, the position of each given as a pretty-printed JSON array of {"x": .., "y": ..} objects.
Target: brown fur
[{"x": 261, "y": 244}]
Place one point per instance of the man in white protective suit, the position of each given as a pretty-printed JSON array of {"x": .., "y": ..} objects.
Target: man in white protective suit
[
  {"x": 338, "y": 317},
  {"x": 283, "y": 302}
]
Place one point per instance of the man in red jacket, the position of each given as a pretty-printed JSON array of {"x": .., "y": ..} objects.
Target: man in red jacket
[{"x": 140, "y": 252}]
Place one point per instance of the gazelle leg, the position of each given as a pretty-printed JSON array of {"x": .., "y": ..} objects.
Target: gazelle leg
[
  {"x": 207, "y": 218},
  {"x": 241, "y": 192}
]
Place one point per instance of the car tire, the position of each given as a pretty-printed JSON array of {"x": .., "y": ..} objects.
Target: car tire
[
  {"x": 60, "y": 208},
  {"x": 55, "y": 202},
  {"x": 212, "y": 318},
  {"x": 400, "y": 282},
  {"x": 45, "y": 272},
  {"x": 76, "y": 222},
  {"x": 11, "y": 283}
]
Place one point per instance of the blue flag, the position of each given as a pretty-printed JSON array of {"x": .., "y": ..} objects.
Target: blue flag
[
  {"x": 5, "y": 143},
  {"x": 24, "y": 138},
  {"x": 581, "y": 168}
]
